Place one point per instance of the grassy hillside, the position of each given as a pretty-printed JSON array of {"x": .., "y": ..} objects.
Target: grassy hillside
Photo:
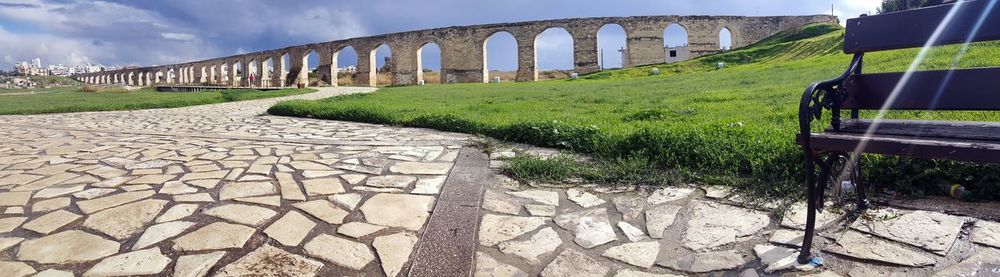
[{"x": 734, "y": 125}]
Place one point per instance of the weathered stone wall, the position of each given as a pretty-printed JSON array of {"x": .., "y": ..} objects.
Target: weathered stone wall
[{"x": 463, "y": 51}]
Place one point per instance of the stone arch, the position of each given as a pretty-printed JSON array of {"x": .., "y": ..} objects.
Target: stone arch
[
  {"x": 345, "y": 75},
  {"x": 253, "y": 70},
  {"x": 236, "y": 73},
  {"x": 130, "y": 81},
  {"x": 312, "y": 60},
  {"x": 555, "y": 56},
  {"x": 379, "y": 64},
  {"x": 421, "y": 64},
  {"x": 267, "y": 72},
  {"x": 503, "y": 35},
  {"x": 611, "y": 41},
  {"x": 725, "y": 38}
]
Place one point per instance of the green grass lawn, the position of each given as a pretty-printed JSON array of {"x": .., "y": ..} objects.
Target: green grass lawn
[
  {"x": 733, "y": 126},
  {"x": 69, "y": 99}
]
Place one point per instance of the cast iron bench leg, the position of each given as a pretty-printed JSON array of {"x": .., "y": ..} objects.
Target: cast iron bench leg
[{"x": 805, "y": 254}]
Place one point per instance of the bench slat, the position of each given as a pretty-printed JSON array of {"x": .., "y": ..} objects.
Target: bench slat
[
  {"x": 970, "y": 130},
  {"x": 913, "y": 28},
  {"x": 964, "y": 89},
  {"x": 948, "y": 149}
]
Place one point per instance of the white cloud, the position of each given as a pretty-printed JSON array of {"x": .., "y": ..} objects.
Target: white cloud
[{"x": 178, "y": 36}]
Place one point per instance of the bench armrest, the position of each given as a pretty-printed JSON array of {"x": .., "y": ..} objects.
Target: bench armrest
[{"x": 824, "y": 95}]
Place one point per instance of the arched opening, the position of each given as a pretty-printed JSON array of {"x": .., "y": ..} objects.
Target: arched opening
[
  {"x": 725, "y": 39},
  {"x": 237, "y": 74},
  {"x": 500, "y": 57},
  {"x": 286, "y": 70},
  {"x": 429, "y": 63},
  {"x": 267, "y": 72},
  {"x": 382, "y": 63},
  {"x": 158, "y": 77},
  {"x": 675, "y": 43},
  {"x": 554, "y": 53},
  {"x": 310, "y": 64},
  {"x": 610, "y": 45},
  {"x": 213, "y": 72},
  {"x": 347, "y": 66},
  {"x": 253, "y": 74},
  {"x": 203, "y": 77}
]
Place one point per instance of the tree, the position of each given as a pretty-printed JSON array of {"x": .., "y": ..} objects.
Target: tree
[{"x": 902, "y": 5}]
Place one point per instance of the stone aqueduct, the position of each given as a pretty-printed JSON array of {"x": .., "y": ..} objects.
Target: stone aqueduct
[{"x": 463, "y": 51}]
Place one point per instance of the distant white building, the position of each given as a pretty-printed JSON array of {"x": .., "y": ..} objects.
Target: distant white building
[{"x": 347, "y": 69}]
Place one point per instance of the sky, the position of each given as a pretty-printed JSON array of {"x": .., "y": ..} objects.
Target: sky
[{"x": 143, "y": 33}]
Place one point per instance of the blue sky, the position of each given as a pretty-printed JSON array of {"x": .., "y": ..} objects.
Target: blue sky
[{"x": 117, "y": 32}]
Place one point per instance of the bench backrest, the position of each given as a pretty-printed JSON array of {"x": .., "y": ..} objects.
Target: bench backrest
[{"x": 963, "y": 89}]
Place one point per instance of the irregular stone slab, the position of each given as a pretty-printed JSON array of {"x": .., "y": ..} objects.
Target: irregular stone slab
[
  {"x": 218, "y": 174},
  {"x": 418, "y": 168},
  {"x": 206, "y": 184},
  {"x": 194, "y": 197},
  {"x": 984, "y": 232},
  {"x": 779, "y": 258},
  {"x": 245, "y": 214},
  {"x": 94, "y": 205},
  {"x": 670, "y": 194},
  {"x": 630, "y": 206},
  {"x": 714, "y": 224},
  {"x": 353, "y": 179},
  {"x": 308, "y": 165},
  {"x": 486, "y": 266},
  {"x": 429, "y": 185},
  {"x": 641, "y": 254},
  {"x": 716, "y": 192},
  {"x": 123, "y": 221},
  {"x": 546, "y": 197},
  {"x": 540, "y": 210},
  {"x": 16, "y": 269},
  {"x": 358, "y": 229},
  {"x": 289, "y": 187},
  {"x": 542, "y": 243},
  {"x": 390, "y": 181},
  {"x": 787, "y": 237},
  {"x": 246, "y": 189},
  {"x": 986, "y": 262},
  {"x": 705, "y": 262},
  {"x": 394, "y": 251},
  {"x": 14, "y": 198},
  {"x": 323, "y": 186},
  {"x": 660, "y": 218},
  {"x": 290, "y": 229},
  {"x": 398, "y": 210},
  {"x": 323, "y": 210},
  {"x": 861, "y": 246},
  {"x": 73, "y": 246},
  {"x": 176, "y": 187},
  {"x": 151, "y": 179},
  {"x": 634, "y": 234},
  {"x": 495, "y": 229},
  {"x": 59, "y": 190},
  {"x": 142, "y": 262},
  {"x": 268, "y": 260},
  {"x": 54, "y": 273},
  {"x": 574, "y": 263},
  {"x": 218, "y": 235},
  {"x": 493, "y": 201},
  {"x": 7, "y": 242},
  {"x": 159, "y": 232},
  {"x": 51, "y": 221},
  {"x": 274, "y": 200},
  {"x": 320, "y": 173},
  {"x": 360, "y": 168},
  {"x": 583, "y": 198},
  {"x": 19, "y": 179},
  {"x": 795, "y": 217},
  {"x": 177, "y": 212},
  {"x": 46, "y": 182},
  {"x": 933, "y": 231},
  {"x": 196, "y": 265},
  {"x": 633, "y": 273},
  {"x": 8, "y": 224},
  {"x": 93, "y": 193},
  {"x": 591, "y": 227},
  {"x": 349, "y": 200},
  {"x": 339, "y": 251}
]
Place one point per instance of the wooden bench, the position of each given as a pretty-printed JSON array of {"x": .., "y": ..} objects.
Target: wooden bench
[{"x": 835, "y": 152}]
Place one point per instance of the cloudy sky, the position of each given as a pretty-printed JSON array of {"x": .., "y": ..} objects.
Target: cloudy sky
[{"x": 119, "y": 32}]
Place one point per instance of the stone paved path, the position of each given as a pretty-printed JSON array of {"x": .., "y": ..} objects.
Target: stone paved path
[
  {"x": 215, "y": 189},
  {"x": 586, "y": 230}
]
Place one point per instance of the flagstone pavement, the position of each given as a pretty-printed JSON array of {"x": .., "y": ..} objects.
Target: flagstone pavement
[{"x": 226, "y": 190}]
